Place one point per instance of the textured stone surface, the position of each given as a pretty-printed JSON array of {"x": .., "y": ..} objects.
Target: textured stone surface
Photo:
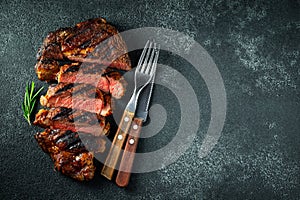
[{"x": 256, "y": 46}]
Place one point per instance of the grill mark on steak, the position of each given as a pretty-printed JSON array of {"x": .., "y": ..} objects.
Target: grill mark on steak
[
  {"x": 92, "y": 68},
  {"x": 65, "y": 62},
  {"x": 62, "y": 113},
  {"x": 71, "y": 89},
  {"x": 64, "y": 88},
  {"x": 70, "y": 140},
  {"x": 72, "y": 68},
  {"x": 89, "y": 90},
  {"x": 79, "y": 38}
]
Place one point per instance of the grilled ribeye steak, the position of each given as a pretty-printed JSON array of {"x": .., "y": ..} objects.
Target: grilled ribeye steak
[
  {"x": 86, "y": 63},
  {"x": 69, "y": 153},
  {"x": 85, "y": 42},
  {"x": 74, "y": 120},
  {"x": 77, "y": 96}
]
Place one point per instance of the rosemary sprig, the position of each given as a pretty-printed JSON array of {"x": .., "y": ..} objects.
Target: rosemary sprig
[{"x": 29, "y": 101}]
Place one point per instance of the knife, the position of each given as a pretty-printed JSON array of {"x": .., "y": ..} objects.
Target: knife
[{"x": 141, "y": 114}]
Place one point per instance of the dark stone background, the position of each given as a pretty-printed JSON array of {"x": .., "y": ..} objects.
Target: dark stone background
[{"x": 255, "y": 45}]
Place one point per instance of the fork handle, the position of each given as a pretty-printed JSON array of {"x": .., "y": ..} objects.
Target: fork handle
[
  {"x": 116, "y": 147},
  {"x": 126, "y": 164}
]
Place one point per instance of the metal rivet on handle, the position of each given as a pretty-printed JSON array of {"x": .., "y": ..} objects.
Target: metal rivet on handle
[
  {"x": 126, "y": 119},
  {"x": 131, "y": 141},
  {"x": 135, "y": 127},
  {"x": 120, "y": 137}
]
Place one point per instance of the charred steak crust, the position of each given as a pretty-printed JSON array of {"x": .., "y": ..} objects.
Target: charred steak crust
[
  {"x": 76, "y": 162},
  {"x": 73, "y": 45},
  {"x": 69, "y": 153},
  {"x": 85, "y": 62},
  {"x": 55, "y": 140}
]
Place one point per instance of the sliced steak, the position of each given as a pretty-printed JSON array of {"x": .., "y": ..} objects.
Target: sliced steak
[
  {"x": 109, "y": 81},
  {"x": 86, "y": 40},
  {"x": 86, "y": 62},
  {"x": 77, "y": 96},
  {"x": 74, "y": 120}
]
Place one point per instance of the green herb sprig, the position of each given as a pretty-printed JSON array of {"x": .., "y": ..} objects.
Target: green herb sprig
[{"x": 29, "y": 100}]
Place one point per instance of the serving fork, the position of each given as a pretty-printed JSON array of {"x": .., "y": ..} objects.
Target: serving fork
[{"x": 144, "y": 73}]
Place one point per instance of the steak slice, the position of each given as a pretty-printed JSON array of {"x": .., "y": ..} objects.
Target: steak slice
[
  {"x": 53, "y": 141},
  {"x": 117, "y": 84},
  {"x": 74, "y": 120},
  {"x": 69, "y": 153},
  {"x": 109, "y": 81},
  {"x": 77, "y": 96},
  {"x": 90, "y": 40}
]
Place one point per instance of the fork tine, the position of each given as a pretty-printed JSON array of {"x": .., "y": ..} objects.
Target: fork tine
[
  {"x": 154, "y": 65},
  {"x": 150, "y": 62},
  {"x": 139, "y": 65},
  {"x": 146, "y": 59}
]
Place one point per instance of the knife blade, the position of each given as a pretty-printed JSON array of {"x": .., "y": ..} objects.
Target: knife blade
[
  {"x": 144, "y": 102},
  {"x": 145, "y": 97},
  {"x": 141, "y": 115}
]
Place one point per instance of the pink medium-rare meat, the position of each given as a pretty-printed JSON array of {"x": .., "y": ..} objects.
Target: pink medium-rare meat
[
  {"x": 78, "y": 96},
  {"x": 109, "y": 82}
]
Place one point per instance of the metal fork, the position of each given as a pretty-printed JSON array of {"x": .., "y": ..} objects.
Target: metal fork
[{"x": 143, "y": 75}]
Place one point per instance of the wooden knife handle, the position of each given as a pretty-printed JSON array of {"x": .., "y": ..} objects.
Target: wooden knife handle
[
  {"x": 116, "y": 147},
  {"x": 123, "y": 175}
]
